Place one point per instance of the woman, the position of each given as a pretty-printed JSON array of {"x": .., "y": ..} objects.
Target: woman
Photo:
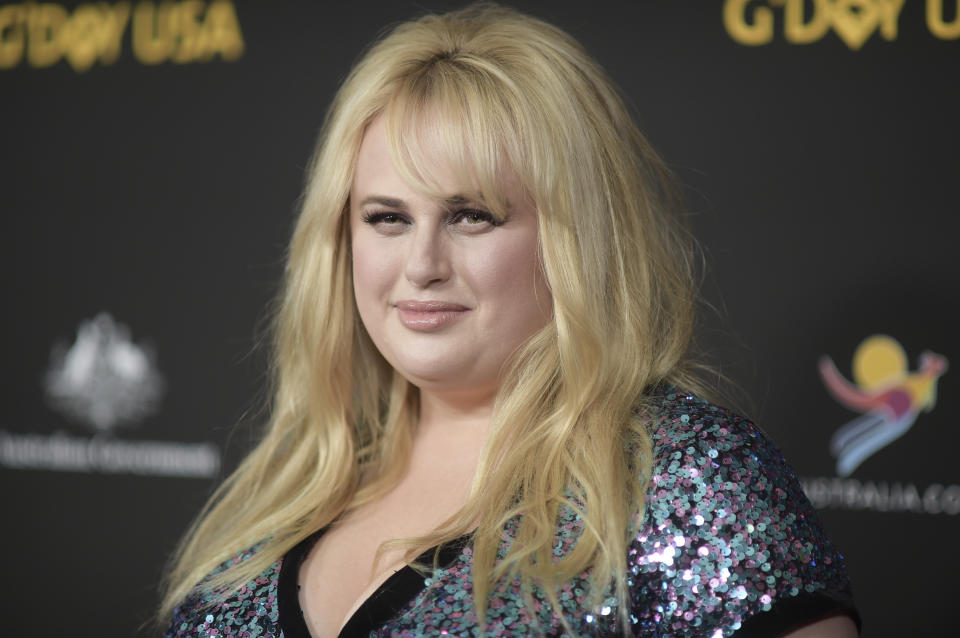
[{"x": 476, "y": 424}]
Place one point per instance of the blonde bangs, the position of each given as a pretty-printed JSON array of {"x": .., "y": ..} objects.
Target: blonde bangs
[{"x": 452, "y": 117}]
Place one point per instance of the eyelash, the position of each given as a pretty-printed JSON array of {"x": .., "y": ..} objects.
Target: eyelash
[
  {"x": 485, "y": 216},
  {"x": 374, "y": 218}
]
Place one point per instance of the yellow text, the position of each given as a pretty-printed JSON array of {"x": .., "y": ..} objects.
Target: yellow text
[
  {"x": 752, "y": 22},
  {"x": 938, "y": 25},
  {"x": 42, "y": 34}
]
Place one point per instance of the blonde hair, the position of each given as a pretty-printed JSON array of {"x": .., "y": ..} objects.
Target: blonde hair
[{"x": 503, "y": 91}]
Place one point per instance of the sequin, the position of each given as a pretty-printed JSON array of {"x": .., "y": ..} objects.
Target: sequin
[{"x": 726, "y": 533}]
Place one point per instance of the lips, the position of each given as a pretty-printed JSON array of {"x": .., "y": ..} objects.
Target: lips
[{"x": 428, "y": 315}]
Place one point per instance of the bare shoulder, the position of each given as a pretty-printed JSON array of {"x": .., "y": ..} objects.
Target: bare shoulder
[{"x": 833, "y": 627}]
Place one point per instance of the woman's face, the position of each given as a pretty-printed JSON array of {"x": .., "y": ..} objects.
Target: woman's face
[{"x": 446, "y": 290}]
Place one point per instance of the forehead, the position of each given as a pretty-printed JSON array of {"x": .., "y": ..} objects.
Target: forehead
[
  {"x": 431, "y": 158},
  {"x": 375, "y": 166}
]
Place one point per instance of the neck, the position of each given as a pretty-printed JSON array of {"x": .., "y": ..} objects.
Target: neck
[
  {"x": 447, "y": 443},
  {"x": 455, "y": 417}
]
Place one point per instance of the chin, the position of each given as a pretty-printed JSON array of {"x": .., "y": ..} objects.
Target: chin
[
  {"x": 436, "y": 374},
  {"x": 430, "y": 376}
]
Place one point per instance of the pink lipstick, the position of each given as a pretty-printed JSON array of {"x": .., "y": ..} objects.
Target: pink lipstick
[{"x": 428, "y": 316}]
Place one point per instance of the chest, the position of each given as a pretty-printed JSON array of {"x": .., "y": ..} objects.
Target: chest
[
  {"x": 348, "y": 563},
  {"x": 441, "y": 604}
]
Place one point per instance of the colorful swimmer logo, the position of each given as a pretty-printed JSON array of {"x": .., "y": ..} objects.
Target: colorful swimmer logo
[{"x": 889, "y": 396}]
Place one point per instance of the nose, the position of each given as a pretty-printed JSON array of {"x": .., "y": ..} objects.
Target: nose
[{"x": 427, "y": 260}]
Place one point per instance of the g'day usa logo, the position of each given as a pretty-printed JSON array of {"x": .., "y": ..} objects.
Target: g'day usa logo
[
  {"x": 104, "y": 380},
  {"x": 755, "y": 22}
]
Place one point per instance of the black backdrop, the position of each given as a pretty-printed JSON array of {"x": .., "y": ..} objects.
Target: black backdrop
[{"x": 153, "y": 183}]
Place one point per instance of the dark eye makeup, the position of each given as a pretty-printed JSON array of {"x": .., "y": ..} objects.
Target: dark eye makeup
[
  {"x": 467, "y": 216},
  {"x": 473, "y": 217},
  {"x": 374, "y": 218}
]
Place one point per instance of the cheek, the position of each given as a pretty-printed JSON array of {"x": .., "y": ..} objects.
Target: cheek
[
  {"x": 371, "y": 272},
  {"x": 368, "y": 279},
  {"x": 509, "y": 274}
]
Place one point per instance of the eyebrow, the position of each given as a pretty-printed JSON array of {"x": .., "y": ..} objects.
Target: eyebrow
[{"x": 389, "y": 202}]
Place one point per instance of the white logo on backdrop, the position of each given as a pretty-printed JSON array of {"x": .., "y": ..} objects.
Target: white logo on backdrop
[{"x": 104, "y": 379}]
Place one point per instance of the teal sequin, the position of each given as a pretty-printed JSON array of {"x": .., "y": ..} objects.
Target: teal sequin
[{"x": 726, "y": 535}]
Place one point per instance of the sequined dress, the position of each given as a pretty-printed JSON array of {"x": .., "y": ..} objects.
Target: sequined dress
[{"x": 728, "y": 545}]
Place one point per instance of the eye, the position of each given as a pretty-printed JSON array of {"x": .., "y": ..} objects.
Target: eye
[
  {"x": 474, "y": 218},
  {"x": 385, "y": 222},
  {"x": 381, "y": 218}
]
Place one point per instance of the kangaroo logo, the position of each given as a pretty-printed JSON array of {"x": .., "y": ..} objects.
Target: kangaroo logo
[{"x": 885, "y": 391}]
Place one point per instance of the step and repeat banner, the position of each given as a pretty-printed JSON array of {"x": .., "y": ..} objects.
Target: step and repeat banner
[{"x": 152, "y": 159}]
